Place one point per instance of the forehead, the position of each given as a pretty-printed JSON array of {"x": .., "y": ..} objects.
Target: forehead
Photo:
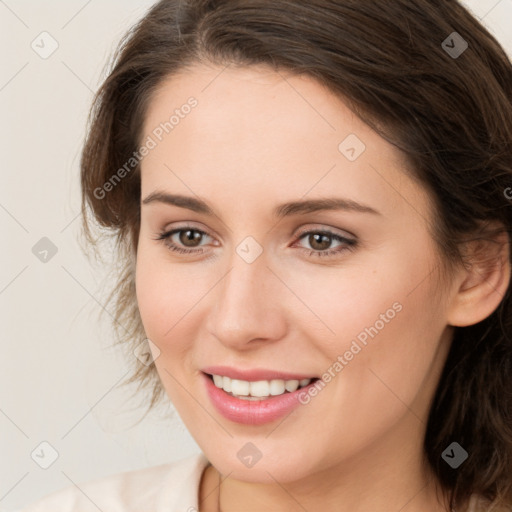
[{"x": 260, "y": 130}]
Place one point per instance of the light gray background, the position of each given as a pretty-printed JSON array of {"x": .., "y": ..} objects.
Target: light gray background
[{"x": 58, "y": 374}]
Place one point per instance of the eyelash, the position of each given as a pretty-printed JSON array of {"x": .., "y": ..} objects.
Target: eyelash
[{"x": 349, "y": 243}]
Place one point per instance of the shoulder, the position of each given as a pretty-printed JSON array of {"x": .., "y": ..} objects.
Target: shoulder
[{"x": 167, "y": 487}]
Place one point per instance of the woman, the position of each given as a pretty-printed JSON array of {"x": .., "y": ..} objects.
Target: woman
[{"x": 311, "y": 208}]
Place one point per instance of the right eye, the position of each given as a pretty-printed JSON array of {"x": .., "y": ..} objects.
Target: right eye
[{"x": 187, "y": 235}]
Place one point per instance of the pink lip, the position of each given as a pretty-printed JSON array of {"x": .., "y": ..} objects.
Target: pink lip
[
  {"x": 254, "y": 374},
  {"x": 252, "y": 412}
]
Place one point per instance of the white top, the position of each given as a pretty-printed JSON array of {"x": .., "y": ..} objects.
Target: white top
[{"x": 165, "y": 488}]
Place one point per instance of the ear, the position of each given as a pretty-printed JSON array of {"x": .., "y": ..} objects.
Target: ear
[{"x": 482, "y": 283}]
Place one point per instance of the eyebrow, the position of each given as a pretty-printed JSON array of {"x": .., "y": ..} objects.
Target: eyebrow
[{"x": 283, "y": 210}]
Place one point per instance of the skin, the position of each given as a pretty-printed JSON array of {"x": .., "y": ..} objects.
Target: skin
[{"x": 257, "y": 139}]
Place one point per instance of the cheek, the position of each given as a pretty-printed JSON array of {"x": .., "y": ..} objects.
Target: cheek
[
  {"x": 169, "y": 295},
  {"x": 164, "y": 297},
  {"x": 163, "y": 292},
  {"x": 394, "y": 328},
  {"x": 344, "y": 302},
  {"x": 382, "y": 315}
]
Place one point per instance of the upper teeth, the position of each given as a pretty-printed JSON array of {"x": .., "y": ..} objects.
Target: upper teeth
[{"x": 260, "y": 388}]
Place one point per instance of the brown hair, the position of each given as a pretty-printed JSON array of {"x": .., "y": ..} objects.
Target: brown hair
[{"x": 449, "y": 114}]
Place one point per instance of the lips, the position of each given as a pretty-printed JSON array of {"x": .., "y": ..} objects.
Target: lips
[{"x": 249, "y": 412}]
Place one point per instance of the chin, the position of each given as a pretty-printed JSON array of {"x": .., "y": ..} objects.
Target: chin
[{"x": 271, "y": 466}]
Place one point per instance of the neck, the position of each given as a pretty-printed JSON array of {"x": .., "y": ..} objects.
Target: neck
[{"x": 233, "y": 496}]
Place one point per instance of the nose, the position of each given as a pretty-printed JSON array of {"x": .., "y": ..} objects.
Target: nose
[{"x": 248, "y": 305}]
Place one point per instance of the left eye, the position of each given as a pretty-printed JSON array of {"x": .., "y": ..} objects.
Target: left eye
[
  {"x": 190, "y": 238},
  {"x": 321, "y": 241},
  {"x": 325, "y": 237}
]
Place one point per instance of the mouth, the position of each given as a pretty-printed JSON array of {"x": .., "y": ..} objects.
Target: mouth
[{"x": 255, "y": 400}]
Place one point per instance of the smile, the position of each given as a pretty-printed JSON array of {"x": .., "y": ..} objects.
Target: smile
[
  {"x": 257, "y": 390},
  {"x": 262, "y": 397}
]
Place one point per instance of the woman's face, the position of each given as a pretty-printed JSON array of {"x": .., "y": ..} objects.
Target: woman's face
[{"x": 278, "y": 286}]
